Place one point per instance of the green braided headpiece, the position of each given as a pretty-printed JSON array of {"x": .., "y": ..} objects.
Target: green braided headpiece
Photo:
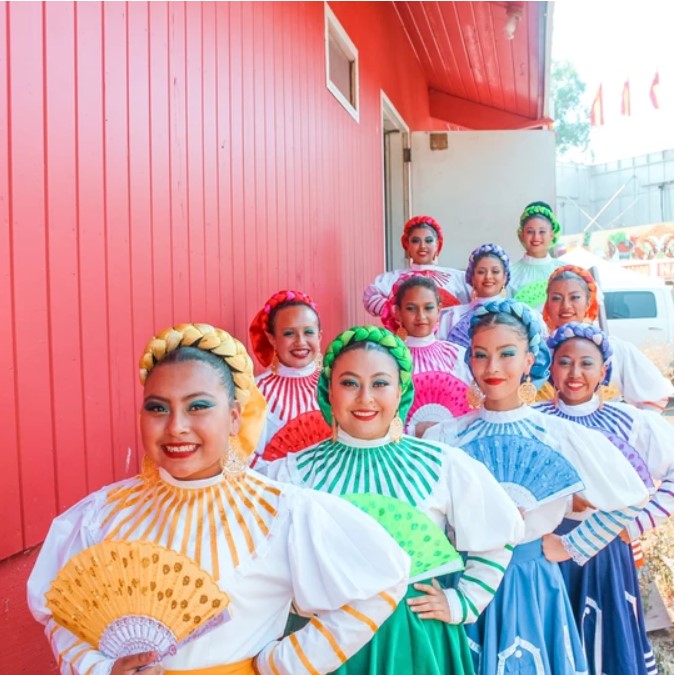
[
  {"x": 381, "y": 336},
  {"x": 542, "y": 210}
]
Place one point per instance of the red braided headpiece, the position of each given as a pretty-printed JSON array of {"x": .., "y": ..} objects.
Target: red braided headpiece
[
  {"x": 419, "y": 221},
  {"x": 593, "y": 309},
  {"x": 259, "y": 327}
]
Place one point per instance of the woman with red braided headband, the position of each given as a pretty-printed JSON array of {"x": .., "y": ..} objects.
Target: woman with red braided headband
[
  {"x": 198, "y": 531},
  {"x": 538, "y": 231},
  {"x": 572, "y": 295},
  {"x": 365, "y": 390},
  {"x": 286, "y": 337},
  {"x": 422, "y": 241},
  {"x": 607, "y": 586}
]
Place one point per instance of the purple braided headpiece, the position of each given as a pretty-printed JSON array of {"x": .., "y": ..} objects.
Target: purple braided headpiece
[
  {"x": 488, "y": 250},
  {"x": 586, "y": 331}
]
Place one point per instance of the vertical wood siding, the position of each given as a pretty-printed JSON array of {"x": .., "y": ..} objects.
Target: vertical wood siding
[{"x": 162, "y": 163}]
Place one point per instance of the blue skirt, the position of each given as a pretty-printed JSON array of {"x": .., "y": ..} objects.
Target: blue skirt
[
  {"x": 528, "y": 628},
  {"x": 605, "y": 598}
]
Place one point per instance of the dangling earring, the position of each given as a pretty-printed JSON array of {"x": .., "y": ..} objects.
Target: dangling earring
[
  {"x": 318, "y": 361},
  {"x": 602, "y": 393},
  {"x": 527, "y": 392},
  {"x": 502, "y": 293},
  {"x": 434, "y": 260},
  {"x": 474, "y": 295},
  {"x": 233, "y": 462},
  {"x": 474, "y": 396},
  {"x": 274, "y": 366},
  {"x": 334, "y": 430},
  {"x": 556, "y": 397},
  {"x": 396, "y": 428},
  {"x": 402, "y": 333}
]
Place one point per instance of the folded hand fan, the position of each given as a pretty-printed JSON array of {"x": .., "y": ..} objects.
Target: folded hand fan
[
  {"x": 438, "y": 397},
  {"x": 533, "y": 294},
  {"x": 531, "y": 472},
  {"x": 427, "y": 545},
  {"x": 459, "y": 333},
  {"x": 129, "y": 597},
  {"x": 299, "y": 433},
  {"x": 448, "y": 299},
  {"x": 632, "y": 455}
]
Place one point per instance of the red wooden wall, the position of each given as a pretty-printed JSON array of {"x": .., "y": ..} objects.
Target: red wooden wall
[{"x": 160, "y": 163}]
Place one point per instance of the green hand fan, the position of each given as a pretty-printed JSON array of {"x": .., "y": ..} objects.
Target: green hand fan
[
  {"x": 533, "y": 294},
  {"x": 425, "y": 542}
]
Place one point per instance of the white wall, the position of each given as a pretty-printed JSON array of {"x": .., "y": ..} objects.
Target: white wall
[{"x": 477, "y": 188}]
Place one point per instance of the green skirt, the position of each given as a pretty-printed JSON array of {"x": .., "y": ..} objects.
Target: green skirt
[{"x": 407, "y": 644}]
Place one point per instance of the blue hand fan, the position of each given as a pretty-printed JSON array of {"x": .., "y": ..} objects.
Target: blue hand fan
[
  {"x": 459, "y": 333},
  {"x": 632, "y": 455},
  {"x": 531, "y": 472}
]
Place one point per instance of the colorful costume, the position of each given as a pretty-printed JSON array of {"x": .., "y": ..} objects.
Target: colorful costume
[
  {"x": 529, "y": 276},
  {"x": 529, "y": 626},
  {"x": 452, "y": 288},
  {"x": 453, "y": 490},
  {"x": 290, "y": 392},
  {"x": 605, "y": 594},
  {"x": 256, "y": 538}
]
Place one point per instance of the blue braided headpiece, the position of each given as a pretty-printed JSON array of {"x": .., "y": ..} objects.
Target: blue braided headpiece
[
  {"x": 484, "y": 250},
  {"x": 521, "y": 312},
  {"x": 586, "y": 331}
]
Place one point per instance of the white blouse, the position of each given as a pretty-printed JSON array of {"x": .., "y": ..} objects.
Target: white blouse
[
  {"x": 257, "y": 538},
  {"x": 529, "y": 271}
]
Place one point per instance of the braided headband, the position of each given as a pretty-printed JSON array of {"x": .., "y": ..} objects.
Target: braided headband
[
  {"x": 542, "y": 358},
  {"x": 488, "y": 250},
  {"x": 593, "y": 309},
  {"x": 259, "y": 327},
  {"x": 534, "y": 210},
  {"x": 586, "y": 331},
  {"x": 421, "y": 221},
  {"x": 380, "y": 336},
  {"x": 222, "y": 344}
]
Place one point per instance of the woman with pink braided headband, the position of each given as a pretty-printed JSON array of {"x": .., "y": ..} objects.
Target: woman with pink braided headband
[
  {"x": 538, "y": 231},
  {"x": 422, "y": 241},
  {"x": 605, "y": 593},
  {"x": 572, "y": 296},
  {"x": 286, "y": 339}
]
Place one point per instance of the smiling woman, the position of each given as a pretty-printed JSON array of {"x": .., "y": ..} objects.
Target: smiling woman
[{"x": 197, "y": 505}]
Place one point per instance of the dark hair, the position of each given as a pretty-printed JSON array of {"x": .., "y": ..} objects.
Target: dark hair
[
  {"x": 416, "y": 282},
  {"x": 500, "y": 319},
  {"x": 423, "y": 226},
  {"x": 568, "y": 275},
  {"x": 185, "y": 354},
  {"x": 489, "y": 254},
  {"x": 367, "y": 346},
  {"x": 283, "y": 305}
]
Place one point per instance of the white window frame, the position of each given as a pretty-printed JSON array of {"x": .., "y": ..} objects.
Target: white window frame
[{"x": 332, "y": 24}]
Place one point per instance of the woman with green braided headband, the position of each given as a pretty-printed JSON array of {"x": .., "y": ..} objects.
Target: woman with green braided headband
[
  {"x": 538, "y": 231},
  {"x": 543, "y": 462},
  {"x": 365, "y": 389}
]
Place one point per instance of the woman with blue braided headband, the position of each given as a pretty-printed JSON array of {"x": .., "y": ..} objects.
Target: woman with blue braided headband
[
  {"x": 607, "y": 586},
  {"x": 364, "y": 388},
  {"x": 488, "y": 273},
  {"x": 541, "y": 461},
  {"x": 538, "y": 231}
]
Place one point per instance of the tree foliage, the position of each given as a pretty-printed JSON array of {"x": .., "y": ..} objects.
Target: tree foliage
[{"x": 571, "y": 119}]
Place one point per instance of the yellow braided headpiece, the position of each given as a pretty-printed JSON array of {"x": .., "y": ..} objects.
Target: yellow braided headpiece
[{"x": 222, "y": 344}]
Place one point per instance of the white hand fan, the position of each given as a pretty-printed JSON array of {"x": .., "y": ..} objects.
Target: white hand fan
[{"x": 130, "y": 597}]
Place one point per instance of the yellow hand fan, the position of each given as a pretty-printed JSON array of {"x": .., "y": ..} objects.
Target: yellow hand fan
[{"x": 130, "y": 597}]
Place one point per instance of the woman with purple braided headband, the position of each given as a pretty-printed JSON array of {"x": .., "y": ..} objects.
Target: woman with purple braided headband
[
  {"x": 607, "y": 585},
  {"x": 542, "y": 462}
]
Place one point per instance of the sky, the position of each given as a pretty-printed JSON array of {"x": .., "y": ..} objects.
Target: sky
[{"x": 609, "y": 43}]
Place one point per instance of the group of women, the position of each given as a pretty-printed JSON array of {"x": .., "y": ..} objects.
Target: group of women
[{"x": 452, "y": 492}]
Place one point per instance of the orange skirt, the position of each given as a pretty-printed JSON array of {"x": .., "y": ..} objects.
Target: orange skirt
[{"x": 239, "y": 668}]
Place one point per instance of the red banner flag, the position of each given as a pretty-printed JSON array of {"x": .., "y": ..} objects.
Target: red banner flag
[
  {"x": 654, "y": 91},
  {"x": 597, "y": 114},
  {"x": 625, "y": 99}
]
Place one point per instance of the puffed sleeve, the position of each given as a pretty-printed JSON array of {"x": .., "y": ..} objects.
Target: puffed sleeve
[
  {"x": 487, "y": 526},
  {"x": 70, "y": 533},
  {"x": 639, "y": 380},
  {"x": 347, "y": 572},
  {"x": 377, "y": 293},
  {"x": 655, "y": 444}
]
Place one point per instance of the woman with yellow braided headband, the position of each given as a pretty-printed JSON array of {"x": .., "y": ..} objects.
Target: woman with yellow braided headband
[
  {"x": 365, "y": 390},
  {"x": 538, "y": 231},
  {"x": 252, "y": 540}
]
